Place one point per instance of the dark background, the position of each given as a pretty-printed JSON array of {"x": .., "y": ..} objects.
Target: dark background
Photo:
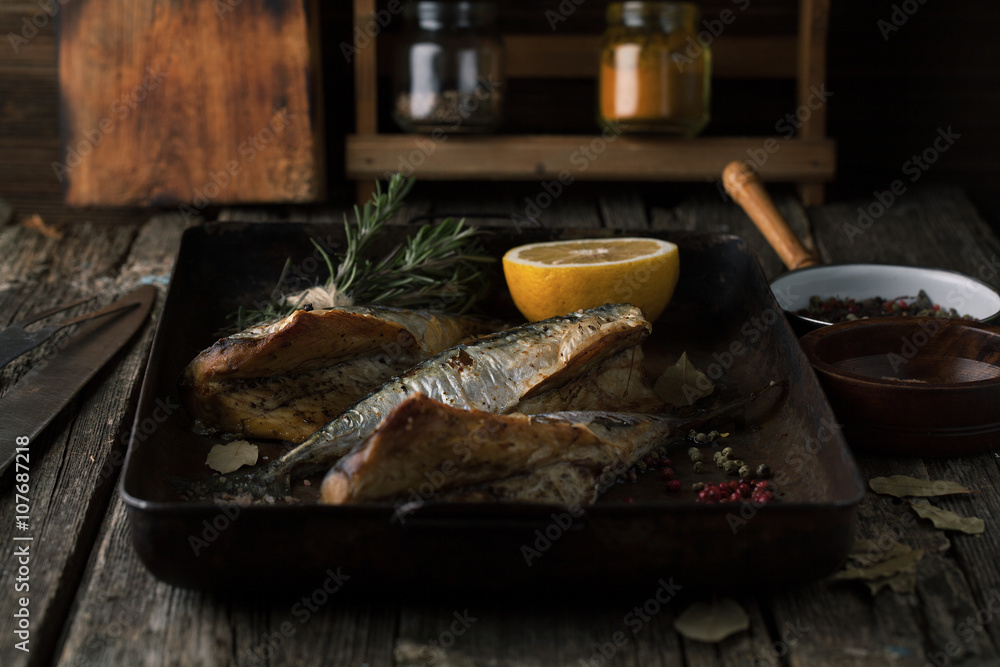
[{"x": 891, "y": 95}]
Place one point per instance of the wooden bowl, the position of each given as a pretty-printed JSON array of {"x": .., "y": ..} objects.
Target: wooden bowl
[{"x": 911, "y": 386}]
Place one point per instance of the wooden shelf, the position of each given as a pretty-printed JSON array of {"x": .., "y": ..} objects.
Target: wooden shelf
[
  {"x": 585, "y": 157},
  {"x": 808, "y": 159},
  {"x": 574, "y": 56}
]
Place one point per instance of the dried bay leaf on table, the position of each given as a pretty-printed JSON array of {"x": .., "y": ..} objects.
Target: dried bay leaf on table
[
  {"x": 948, "y": 520},
  {"x": 901, "y": 486},
  {"x": 682, "y": 383},
  {"x": 904, "y": 582},
  {"x": 231, "y": 457},
  {"x": 866, "y": 553},
  {"x": 894, "y": 567},
  {"x": 904, "y": 562},
  {"x": 712, "y": 621}
]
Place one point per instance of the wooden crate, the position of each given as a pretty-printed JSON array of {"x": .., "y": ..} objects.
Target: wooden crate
[{"x": 808, "y": 158}]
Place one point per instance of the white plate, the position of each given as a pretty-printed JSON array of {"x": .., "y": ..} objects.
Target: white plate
[{"x": 966, "y": 295}]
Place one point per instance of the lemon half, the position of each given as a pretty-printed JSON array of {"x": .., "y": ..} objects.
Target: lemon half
[{"x": 559, "y": 277}]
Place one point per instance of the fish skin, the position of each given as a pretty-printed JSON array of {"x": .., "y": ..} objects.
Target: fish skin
[
  {"x": 309, "y": 339},
  {"x": 285, "y": 379},
  {"x": 567, "y": 457},
  {"x": 423, "y": 440},
  {"x": 492, "y": 374}
]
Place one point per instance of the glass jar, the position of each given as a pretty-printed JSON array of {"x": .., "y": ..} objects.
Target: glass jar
[
  {"x": 448, "y": 74},
  {"x": 655, "y": 74}
]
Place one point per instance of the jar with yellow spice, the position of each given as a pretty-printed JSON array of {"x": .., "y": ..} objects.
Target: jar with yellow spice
[{"x": 655, "y": 75}]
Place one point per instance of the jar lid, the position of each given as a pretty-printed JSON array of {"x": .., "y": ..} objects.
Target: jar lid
[
  {"x": 437, "y": 15},
  {"x": 640, "y": 13}
]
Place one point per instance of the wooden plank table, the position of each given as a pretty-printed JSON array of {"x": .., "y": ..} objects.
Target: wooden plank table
[{"x": 93, "y": 603}]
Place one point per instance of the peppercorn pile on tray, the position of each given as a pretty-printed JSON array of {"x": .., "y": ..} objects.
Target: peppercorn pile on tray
[{"x": 771, "y": 491}]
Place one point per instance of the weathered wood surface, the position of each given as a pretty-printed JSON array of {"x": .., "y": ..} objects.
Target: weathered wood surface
[
  {"x": 74, "y": 464},
  {"x": 93, "y": 602},
  {"x": 174, "y": 103}
]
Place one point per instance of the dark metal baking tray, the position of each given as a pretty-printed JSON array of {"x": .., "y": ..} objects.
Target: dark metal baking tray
[{"x": 722, "y": 314}]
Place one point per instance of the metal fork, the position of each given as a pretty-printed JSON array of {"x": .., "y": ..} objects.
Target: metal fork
[{"x": 15, "y": 340}]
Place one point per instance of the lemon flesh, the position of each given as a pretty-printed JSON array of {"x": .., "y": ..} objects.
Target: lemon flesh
[{"x": 559, "y": 277}]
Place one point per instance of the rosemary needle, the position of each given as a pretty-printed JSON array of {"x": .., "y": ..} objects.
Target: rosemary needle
[{"x": 438, "y": 267}]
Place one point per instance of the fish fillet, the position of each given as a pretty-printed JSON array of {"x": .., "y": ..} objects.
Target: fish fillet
[
  {"x": 285, "y": 379},
  {"x": 492, "y": 374},
  {"x": 291, "y": 407},
  {"x": 426, "y": 449},
  {"x": 619, "y": 384},
  {"x": 558, "y": 456}
]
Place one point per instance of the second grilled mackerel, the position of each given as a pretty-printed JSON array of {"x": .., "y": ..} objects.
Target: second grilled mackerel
[{"x": 493, "y": 374}]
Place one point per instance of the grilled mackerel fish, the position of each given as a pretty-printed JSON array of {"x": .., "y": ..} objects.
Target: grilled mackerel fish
[
  {"x": 285, "y": 379},
  {"x": 567, "y": 457},
  {"x": 492, "y": 374},
  {"x": 556, "y": 457}
]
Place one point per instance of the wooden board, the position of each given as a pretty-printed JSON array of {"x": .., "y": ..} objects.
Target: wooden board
[
  {"x": 109, "y": 610},
  {"x": 598, "y": 157},
  {"x": 74, "y": 463},
  {"x": 189, "y": 102},
  {"x": 528, "y": 56}
]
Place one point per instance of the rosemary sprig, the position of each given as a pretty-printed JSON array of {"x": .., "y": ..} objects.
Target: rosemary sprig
[{"x": 439, "y": 267}]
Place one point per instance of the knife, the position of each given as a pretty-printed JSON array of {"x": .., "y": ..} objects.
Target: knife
[
  {"x": 47, "y": 388},
  {"x": 15, "y": 340}
]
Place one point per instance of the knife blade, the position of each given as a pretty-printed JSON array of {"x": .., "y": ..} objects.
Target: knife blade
[
  {"x": 34, "y": 401},
  {"x": 15, "y": 340}
]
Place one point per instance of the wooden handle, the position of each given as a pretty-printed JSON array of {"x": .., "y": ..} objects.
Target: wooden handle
[{"x": 745, "y": 188}]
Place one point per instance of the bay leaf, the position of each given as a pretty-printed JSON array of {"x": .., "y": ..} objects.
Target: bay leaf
[
  {"x": 948, "y": 520},
  {"x": 902, "y": 563},
  {"x": 901, "y": 486},
  {"x": 904, "y": 582},
  {"x": 230, "y": 457},
  {"x": 866, "y": 553},
  {"x": 682, "y": 383},
  {"x": 712, "y": 621}
]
